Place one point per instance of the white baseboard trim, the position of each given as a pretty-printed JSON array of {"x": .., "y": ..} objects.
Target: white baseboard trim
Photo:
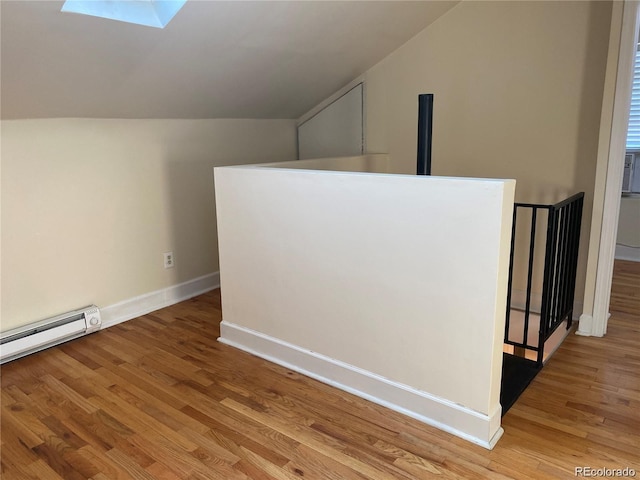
[
  {"x": 149, "y": 302},
  {"x": 585, "y": 326},
  {"x": 624, "y": 252},
  {"x": 483, "y": 430}
]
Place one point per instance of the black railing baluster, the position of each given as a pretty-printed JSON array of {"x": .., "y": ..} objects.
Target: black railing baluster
[
  {"x": 558, "y": 307},
  {"x": 571, "y": 248},
  {"x": 560, "y": 265},
  {"x": 575, "y": 245},
  {"x": 567, "y": 212},
  {"x": 547, "y": 283},
  {"x": 532, "y": 244},
  {"x": 510, "y": 281}
]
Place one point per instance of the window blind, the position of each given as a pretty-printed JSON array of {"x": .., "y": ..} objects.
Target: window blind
[{"x": 633, "y": 132}]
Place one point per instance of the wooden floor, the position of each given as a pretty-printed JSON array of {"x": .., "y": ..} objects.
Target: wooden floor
[
  {"x": 159, "y": 398},
  {"x": 625, "y": 292}
]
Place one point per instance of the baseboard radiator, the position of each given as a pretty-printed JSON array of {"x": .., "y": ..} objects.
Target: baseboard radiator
[{"x": 46, "y": 333}]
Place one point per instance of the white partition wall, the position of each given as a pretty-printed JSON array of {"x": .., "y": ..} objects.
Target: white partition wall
[{"x": 392, "y": 287}]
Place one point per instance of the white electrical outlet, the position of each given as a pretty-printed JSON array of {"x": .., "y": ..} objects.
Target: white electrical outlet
[{"x": 168, "y": 260}]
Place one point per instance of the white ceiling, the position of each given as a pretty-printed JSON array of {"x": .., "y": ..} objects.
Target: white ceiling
[{"x": 216, "y": 59}]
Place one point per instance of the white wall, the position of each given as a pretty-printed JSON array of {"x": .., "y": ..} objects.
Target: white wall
[
  {"x": 518, "y": 92},
  {"x": 628, "y": 239},
  {"x": 89, "y": 206},
  {"x": 362, "y": 274},
  {"x": 374, "y": 163}
]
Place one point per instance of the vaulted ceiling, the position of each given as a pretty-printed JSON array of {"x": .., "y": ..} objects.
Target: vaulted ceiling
[{"x": 216, "y": 59}]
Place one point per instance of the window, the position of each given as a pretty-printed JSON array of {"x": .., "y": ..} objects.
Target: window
[
  {"x": 152, "y": 13},
  {"x": 631, "y": 175},
  {"x": 633, "y": 132}
]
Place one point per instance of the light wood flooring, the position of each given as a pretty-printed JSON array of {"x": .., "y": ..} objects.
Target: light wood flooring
[
  {"x": 158, "y": 398},
  {"x": 625, "y": 292}
]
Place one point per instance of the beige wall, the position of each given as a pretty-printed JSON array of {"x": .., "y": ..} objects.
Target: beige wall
[
  {"x": 629, "y": 222},
  {"x": 89, "y": 206},
  {"x": 518, "y": 91}
]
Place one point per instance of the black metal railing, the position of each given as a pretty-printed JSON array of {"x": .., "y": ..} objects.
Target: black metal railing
[{"x": 563, "y": 222}]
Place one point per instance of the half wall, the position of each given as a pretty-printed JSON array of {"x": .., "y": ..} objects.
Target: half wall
[{"x": 392, "y": 287}]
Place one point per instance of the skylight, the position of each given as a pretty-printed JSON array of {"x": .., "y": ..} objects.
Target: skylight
[{"x": 152, "y": 13}]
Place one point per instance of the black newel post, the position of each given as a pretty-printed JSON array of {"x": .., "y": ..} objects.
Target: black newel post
[{"x": 425, "y": 122}]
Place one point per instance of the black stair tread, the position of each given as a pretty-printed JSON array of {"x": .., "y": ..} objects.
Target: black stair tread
[{"x": 517, "y": 373}]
